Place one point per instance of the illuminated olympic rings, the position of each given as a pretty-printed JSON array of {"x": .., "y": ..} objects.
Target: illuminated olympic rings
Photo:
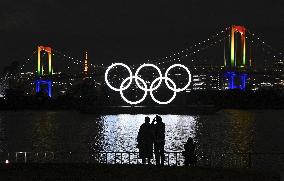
[{"x": 138, "y": 80}]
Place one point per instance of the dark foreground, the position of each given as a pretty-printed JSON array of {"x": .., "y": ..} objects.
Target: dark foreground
[{"x": 128, "y": 172}]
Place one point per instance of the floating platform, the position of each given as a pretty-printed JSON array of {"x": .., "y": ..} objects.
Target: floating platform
[{"x": 181, "y": 110}]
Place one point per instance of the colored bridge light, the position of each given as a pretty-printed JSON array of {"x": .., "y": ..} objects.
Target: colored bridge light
[
  {"x": 234, "y": 55},
  {"x": 232, "y": 79}
]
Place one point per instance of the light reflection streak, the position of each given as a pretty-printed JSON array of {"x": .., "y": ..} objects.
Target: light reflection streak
[{"x": 120, "y": 131}]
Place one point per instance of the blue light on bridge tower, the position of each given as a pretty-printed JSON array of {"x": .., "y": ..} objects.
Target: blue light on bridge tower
[
  {"x": 243, "y": 81},
  {"x": 40, "y": 83},
  {"x": 234, "y": 72},
  {"x": 233, "y": 78}
]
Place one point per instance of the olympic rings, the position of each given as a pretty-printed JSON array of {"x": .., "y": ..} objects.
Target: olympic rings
[
  {"x": 121, "y": 89},
  {"x": 148, "y": 65},
  {"x": 114, "y": 65},
  {"x": 189, "y": 77},
  {"x": 144, "y": 87},
  {"x": 171, "y": 99}
]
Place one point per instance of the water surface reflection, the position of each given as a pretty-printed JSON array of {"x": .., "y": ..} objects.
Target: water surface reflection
[
  {"x": 224, "y": 132},
  {"x": 120, "y": 131}
]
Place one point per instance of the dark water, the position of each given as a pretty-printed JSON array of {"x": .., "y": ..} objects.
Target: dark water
[{"x": 228, "y": 131}]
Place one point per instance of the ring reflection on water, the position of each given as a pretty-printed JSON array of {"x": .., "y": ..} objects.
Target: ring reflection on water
[{"x": 120, "y": 131}]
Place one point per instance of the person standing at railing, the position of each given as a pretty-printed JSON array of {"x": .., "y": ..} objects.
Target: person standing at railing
[
  {"x": 159, "y": 140},
  {"x": 145, "y": 141},
  {"x": 189, "y": 153}
]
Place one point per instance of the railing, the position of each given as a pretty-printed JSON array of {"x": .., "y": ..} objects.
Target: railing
[
  {"x": 171, "y": 158},
  {"x": 230, "y": 160},
  {"x": 26, "y": 157}
]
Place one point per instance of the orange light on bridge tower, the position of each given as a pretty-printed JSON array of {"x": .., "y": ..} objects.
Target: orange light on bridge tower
[
  {"x": 86, "y": 64},
  {"x": 242, "y": 31},
  {"x": 39, "y": 67},
  {"x": 40, "y": 72}
]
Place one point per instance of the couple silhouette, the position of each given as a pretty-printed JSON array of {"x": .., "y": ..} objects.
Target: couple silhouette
[{"x": 149, "y": 135}]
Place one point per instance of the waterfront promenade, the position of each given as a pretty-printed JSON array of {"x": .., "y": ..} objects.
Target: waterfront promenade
[{"x": 129, "y": 172}]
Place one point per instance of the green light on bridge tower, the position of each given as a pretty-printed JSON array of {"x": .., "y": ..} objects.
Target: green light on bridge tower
[
  {"x": 39, "y": 63},
  {"x": 234, "y": 53},
  {"x": 42, "y": 82}
]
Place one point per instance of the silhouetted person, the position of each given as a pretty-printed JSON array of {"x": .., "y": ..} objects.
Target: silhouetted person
[
  {"x": 159, "y": 140},
  {"x": 145, "y": 141},
  {"x": 189, "y": 153}
]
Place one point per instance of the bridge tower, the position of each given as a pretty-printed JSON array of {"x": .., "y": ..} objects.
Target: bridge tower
[
  {"x": 238, "y": 47},
  {"x": 86, "y": 64},
  {"x": 42, "y": 83},
  {"x": 40, "y": 70},
  {"x": 238, "y": 58}
]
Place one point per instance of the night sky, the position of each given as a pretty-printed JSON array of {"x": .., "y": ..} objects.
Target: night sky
[{"x": 128, "y": 30}]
